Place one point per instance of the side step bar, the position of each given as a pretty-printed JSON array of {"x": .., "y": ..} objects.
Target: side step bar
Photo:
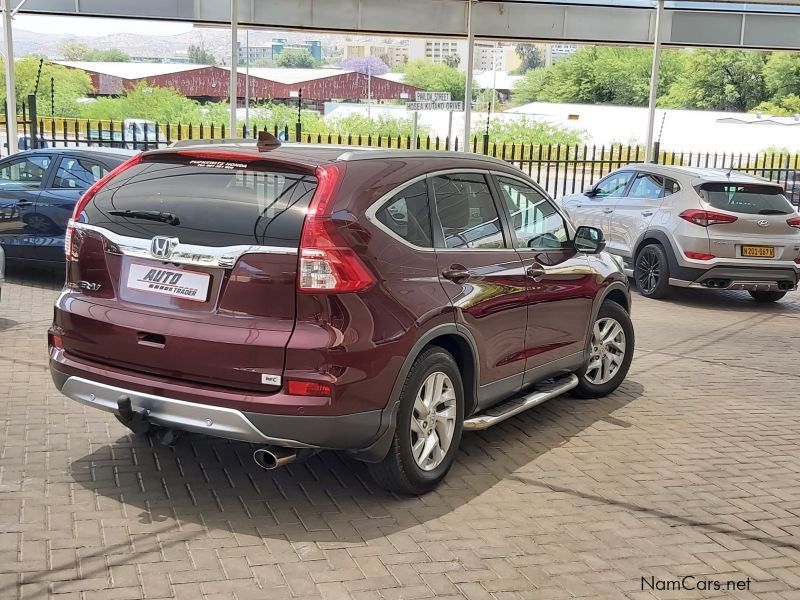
[{"x": 509, "y": 408}]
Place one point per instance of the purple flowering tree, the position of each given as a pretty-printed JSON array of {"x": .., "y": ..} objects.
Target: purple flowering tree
[{"x": 371, "y": 65}]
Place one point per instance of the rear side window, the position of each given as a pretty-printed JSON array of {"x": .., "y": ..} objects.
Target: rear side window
[
  {"x": 467, "y": 212},
  {"x": 77, "y": 173},
  {"x": 671, "y": 187},
  {"x": 647, "y": 186},
  {"x": 749, "y": 199},
  {"x": 206, "y": 202},
  {"x": 407, "y": 215}
]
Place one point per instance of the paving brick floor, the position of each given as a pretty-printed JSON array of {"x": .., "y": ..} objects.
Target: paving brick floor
[{"x": 691, "y": 469}]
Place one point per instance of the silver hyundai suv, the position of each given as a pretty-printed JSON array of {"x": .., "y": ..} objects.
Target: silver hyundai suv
[{"x": 692, "y": 227}]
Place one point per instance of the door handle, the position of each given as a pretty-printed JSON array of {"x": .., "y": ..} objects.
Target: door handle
[
  {"x": 456, "y": 273},
  {"x": 24, "y": 203},
  {"x": 647, "y": 213},
  {"x": 608, "y": 211},
  {"x": 535, "y": 272}
]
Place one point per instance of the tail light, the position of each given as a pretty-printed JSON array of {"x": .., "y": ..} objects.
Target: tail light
[
  {"x": 87, "y": 197},
  {"x": 307, "y": 388},
  {"x": 706, "y": 218},
  {"x": 793, "y": 222},
  {"x": 327, "y": 264},
  {"x": 699, "y": 255}
]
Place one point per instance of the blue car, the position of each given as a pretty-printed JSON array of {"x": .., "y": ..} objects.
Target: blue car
[{"x": 38, "y": 191}]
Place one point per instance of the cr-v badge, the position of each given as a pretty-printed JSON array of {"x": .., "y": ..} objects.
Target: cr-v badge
[{"x": 162, "y": 246}]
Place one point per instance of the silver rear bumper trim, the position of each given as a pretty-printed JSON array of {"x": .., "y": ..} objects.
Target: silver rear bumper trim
[{"x": 207, "y": 419}]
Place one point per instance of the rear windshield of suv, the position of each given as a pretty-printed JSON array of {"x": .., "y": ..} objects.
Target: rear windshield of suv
[
  {"x": 750, "y": 199},
  {"x": 206, "y": 202}
]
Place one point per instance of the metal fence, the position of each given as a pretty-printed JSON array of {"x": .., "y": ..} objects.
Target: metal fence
[{"x": 559, "y": 169}]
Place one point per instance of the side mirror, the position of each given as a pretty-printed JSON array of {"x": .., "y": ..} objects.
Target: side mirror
[
  {"x": 589, "y": 240},
  {"x": 590, "y": 192}
]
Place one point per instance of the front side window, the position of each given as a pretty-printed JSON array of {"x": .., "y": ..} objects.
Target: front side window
[
  {"x": 24, "y": 173},
  {"x": 647, "y": 186},
  {"x": 614, "y": 185},
  {"x": 407, "y": 216},
  {"x": 467, "y": 212},
  {"x": 535, "y": 220},
  {"x": 78, "y": 173}
]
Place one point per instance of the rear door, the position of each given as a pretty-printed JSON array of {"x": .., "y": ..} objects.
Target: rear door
[
  {"x": 71, "y": 178},
  {"x": 760, "y": 232},
  {"x": 189, "y": 266},
  {"x": 595, "y": 210},
  {"x": 482, "y": 275},
  {"x": 21, "y": 180},
  {"x": 559, "y": 280},
  {"x": 634, "y": 212}
]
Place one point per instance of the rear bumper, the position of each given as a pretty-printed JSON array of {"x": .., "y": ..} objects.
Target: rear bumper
[
  {"x": 345, "y": 432},
  {"x": 738, "y": 278}
]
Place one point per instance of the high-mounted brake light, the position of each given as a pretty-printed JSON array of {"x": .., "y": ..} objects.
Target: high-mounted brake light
[
  {"x": 793, "y": 222},
  {"x": 327, "y": 264},
  {"x": 706, "y": 218},
  {"x": 87, "y": 197}
]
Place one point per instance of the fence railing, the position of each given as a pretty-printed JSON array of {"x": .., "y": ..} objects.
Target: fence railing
[{"x": 560, "y": 169}]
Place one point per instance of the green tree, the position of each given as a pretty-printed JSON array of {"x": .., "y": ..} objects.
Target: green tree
[
  {"x": 530, "y": 57},
  {"x": 782, "y": 74},
  {"x": 452, "y": 60},
  {"x": 74, "y": 51},
  {"x": 296, "y": 58},
  {"x": 200, "y": 56},
  {"x": 606, "y": 75},
  {"x": 436, "y": 78},
  {"x": 529, "y": 131},
  {"x": 112, "y": 55},
  {"x": 529, "y": 88},
  {"x": 730, "y": 80},
  {"x": 784, "y": 107},
  {"x": 68, "y": 85},
  {"x": 164, "y": 105}
]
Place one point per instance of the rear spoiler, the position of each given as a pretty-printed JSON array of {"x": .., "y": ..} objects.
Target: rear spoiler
[{"x": 266, "y": 141}]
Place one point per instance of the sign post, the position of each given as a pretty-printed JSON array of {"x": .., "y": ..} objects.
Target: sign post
[{"x": 434, "y": 101}]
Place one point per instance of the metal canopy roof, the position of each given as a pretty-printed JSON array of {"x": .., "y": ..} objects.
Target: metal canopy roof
[{"x": 758, "y": 24}]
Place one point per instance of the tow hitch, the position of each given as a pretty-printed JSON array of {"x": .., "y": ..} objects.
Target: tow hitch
[{"x": 138, "y": 423}]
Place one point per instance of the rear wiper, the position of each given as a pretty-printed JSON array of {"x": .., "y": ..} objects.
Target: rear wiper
[
  {"x": 772, "y": 211},
  {"x": 149, "y": 215}
]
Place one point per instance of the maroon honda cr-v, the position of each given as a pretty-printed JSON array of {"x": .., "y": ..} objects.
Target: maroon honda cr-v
[{"x": 299, "y": 298}]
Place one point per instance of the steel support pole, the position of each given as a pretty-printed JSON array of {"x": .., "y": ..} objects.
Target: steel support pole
[
  {"x": 651, "y": 107},
  {"x": 233, "y": 91},
  {"x": 11, "y": 93},
  {"x": 468, "y": 87},
  {"x": 247, "y": 83}
]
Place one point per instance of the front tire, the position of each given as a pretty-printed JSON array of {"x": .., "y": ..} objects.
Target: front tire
[
  {"x": 651, "y": 271},
  {"x": 610, "y": 353},
  {"x": 764, "y": 296},
  {"x": 430, "y": 420}
]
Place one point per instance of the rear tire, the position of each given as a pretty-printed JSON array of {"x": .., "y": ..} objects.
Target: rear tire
[
  {"x": 763, "y": 296},
  {"x": 611, "y": 346},
  {"x": 433, "y": 383},
  {"x": 651, "y": 271}
]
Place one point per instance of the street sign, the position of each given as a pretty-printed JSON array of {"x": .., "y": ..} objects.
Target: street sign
[
  {"x": 432, "y": 97},
  {"x": 435, "y": 106}
]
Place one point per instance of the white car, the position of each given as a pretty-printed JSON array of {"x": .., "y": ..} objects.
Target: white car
[{"x": 692, "y": 227}]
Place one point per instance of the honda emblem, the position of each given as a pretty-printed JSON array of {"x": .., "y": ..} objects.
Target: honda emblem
[{"x": 162, "y": 246}]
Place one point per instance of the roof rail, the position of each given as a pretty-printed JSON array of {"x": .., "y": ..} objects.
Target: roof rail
[{"x": 209, "y": 142}]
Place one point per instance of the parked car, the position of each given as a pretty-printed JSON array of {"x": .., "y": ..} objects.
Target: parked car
[
  {"x": 134, "y": 134},
  {"x": 790, "y": 180},
  {"x": 692, "y": 227},
  {"x": 38, "y": 191},
  {"x": 299, "y": 298}
]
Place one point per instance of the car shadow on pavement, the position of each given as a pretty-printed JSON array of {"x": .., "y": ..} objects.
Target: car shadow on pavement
[
  {"x": 737, "y": 301},
  {"x": 330, "y": 498},
  {"x": 37, "y": 276}
]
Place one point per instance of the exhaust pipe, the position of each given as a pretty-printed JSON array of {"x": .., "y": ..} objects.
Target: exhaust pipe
[{"x": 272, "y": 457}]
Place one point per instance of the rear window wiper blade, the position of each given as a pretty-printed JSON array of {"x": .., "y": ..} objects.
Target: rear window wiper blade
[
  {"x": 772, "y": 211},
  {"x": 149, "y": 215}
]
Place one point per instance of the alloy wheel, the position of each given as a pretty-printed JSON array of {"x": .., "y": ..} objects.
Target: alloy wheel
[
  {"x": 433, "y": 421},
  {"x": 648, "y": 271},
  {"x": 607, "y": 351}
]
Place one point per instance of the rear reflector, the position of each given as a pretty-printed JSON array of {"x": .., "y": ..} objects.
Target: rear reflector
[
  {"x": 55, "y": 341},
  {"x": 793, "y": 222},
  {"x": 699, "y": 255},
  {"x": 307, "y": 388},
  {"x": 327, "y": 263},
  {"x": 87, "y": 197},
  {"x": 705, "y": 218}
]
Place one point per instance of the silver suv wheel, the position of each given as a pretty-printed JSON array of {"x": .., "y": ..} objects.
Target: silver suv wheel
[
  {"x": 607, "y": 351},
  {"x": 433, "y": 421}
]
